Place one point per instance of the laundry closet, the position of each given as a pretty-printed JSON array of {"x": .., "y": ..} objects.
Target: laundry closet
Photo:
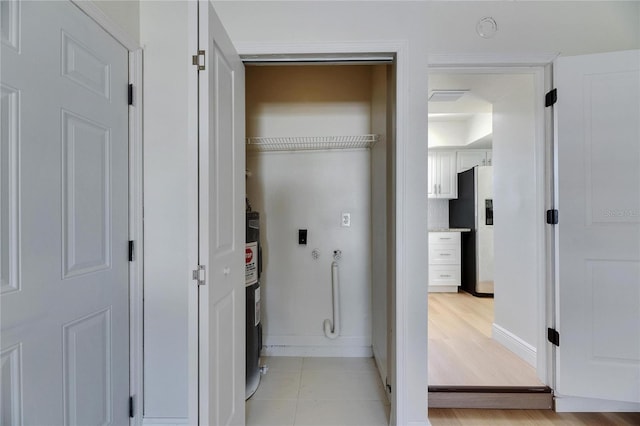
[{"x": 318, "y": 170}]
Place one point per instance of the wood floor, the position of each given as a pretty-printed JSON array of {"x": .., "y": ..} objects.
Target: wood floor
[
  {"x": 457, "y": 417},
  {"x": 461, "y": 350}
]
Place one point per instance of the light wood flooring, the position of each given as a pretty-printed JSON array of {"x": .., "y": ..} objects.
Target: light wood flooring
[
  {"x": 461, "y": 350},
  {"x": 462, "y": 417}
]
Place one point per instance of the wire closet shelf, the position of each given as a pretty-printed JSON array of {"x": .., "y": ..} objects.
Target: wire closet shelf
[{"x": 311, "y": 143}]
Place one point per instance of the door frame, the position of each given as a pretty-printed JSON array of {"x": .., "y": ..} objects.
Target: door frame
[
  {"x": 540, "y": 65},
  {"x": 404, "y": 379},
  {"x": 135, "y": 202}
]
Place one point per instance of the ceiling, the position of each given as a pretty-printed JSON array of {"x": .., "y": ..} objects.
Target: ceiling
[{"x": 483, "y": 89}]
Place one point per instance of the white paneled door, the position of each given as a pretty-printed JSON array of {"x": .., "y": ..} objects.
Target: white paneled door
[
  {"x": 221, "y": 224},
  {"x": 598, "y": 163},
  {"x": 64, "y": 219}
]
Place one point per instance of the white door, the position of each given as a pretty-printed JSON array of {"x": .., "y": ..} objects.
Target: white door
[
  {"x": 598, "y": 163},
  {"x": 222, "y": 225},
  {"x": 64, "y": 219}
]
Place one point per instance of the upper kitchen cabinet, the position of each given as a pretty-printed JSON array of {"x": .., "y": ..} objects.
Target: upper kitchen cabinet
[
  {"x": 442, "y": 177},
  {"x": 469, "y": 158}
]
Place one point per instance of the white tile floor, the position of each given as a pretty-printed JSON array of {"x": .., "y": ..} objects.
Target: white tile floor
[{"x": 319, "y": 392}]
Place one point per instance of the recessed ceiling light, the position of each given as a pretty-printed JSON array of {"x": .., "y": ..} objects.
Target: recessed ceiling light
[{"x": 446, "y": 95}]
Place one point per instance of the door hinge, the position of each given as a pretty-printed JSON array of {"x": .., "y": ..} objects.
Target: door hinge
[
  {"x": 387, "y": 385},
  {"x": 195, "y": 60},
  {"x": 131, "y": 250},
  {"x": 551, "y": 97},
  {"x": 552, "y": 217},
  {"x": 131, "y": 407},
  {"x": 199, "y": 275},
  {"x": 553, "y": 336},
  {"x": 130, "y": 94}
]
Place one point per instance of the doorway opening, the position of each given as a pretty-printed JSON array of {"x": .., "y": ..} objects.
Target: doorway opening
[
  {"x": 320, "y": 144},
  {"x": 486, "y": 242}
]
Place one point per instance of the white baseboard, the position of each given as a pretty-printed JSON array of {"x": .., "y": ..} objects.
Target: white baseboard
[
  {"x": 317, "y": 346},
  {"x": 572, "y": 404},
  {"x": 515, "y": 344},
  {"x": 318, "y": 351},
  {"x": 164, "y": 421},
  {"x": 443, "y": 289}
]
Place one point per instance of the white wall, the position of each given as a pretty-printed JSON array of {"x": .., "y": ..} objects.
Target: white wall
[
  {"x": 310, "y": 190},
  {"x": 459, "y": 132},
  {"x": 567, "y": 27},
  {"x": 126, "y": 13},
  {"x": 516, "y": 211},
  {"x": 163, "y": 29}
]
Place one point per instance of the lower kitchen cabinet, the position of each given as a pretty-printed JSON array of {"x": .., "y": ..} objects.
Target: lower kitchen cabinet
[{"x": 444, "y": 262}]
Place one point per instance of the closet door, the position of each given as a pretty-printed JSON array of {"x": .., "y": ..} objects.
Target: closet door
[{"x": 221, "y": 225}]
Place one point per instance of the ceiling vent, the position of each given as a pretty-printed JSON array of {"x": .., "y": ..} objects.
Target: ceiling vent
[{"x": 446, "y": 95}]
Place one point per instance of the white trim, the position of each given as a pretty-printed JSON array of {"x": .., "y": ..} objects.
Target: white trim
[
  {"x": 515, "y": 344},
  {"x": 318, "y": 351},
  {"x": 165, "y": 421},
  {"x": 491, "y": 60},
  {"x": 136, "y": 229},
  {"x": 116, "y": 31},
  {"x": 192, "y": 219},
  {"x": 400, "y": 379},
  {"x": 529, "y": 64},
  {"x": 572, "y": 404}
]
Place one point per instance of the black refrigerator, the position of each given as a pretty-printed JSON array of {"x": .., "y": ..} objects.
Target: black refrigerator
[
  {"x": 473, "y": 209},
  {"x": 253, "y": 270}
]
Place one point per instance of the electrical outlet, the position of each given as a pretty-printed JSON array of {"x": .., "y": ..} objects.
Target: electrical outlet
[{"x": 346, "y": 219}]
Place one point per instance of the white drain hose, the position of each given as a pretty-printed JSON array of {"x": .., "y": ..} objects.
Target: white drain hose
[{"x": 332, "y": 330}]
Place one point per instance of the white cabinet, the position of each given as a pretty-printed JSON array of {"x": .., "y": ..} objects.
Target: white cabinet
[
  {"x": 468, "y": 158},
  {"x": 442, "y": 179},
  {"x": 444, "y": 262}
]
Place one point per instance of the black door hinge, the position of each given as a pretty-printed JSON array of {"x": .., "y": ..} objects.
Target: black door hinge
[
  {"x": 130, "y": 94},
  {"x": 131, "y": 249},
  {"x": 552, "y": 217},
  {"x": 131, "y": 407},
  {"x": 553, "y": 336},
  {"x": 551, "y": 97}
]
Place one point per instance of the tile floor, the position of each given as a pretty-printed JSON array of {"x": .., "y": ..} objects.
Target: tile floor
[{"x": 319, "y": 392}]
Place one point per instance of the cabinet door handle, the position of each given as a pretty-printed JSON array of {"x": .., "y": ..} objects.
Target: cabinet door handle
[
  {"x": 439, "y": 189},
  {"x": 445, "y": 254},
  {"x": 445, "y": 238},
  {"x": 445, "y": 276}
]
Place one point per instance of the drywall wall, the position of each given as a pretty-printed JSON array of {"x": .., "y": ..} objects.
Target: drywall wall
[
  {"x": 310, "y": 190},
  {"x": 566, "y": 27},
  {"x": 125, "y": 13},
  {"x": 379, "y": 242},
  {"x": 516, "y": 210},
  {"x": 308, "y": 101},
  {"x": 376, "y": 22},
  {"x": 163, "y": 28},
  {"x": 460, "y": 131}
]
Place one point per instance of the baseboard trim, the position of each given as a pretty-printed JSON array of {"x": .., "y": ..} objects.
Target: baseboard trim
[
  {"x": 164, "y": 421},
  {"x": 572, "y": 404},
  {"x": 515, "y": 344},
  {"x": 515, "y": 398},
  {"x": 318, "y": 351}
]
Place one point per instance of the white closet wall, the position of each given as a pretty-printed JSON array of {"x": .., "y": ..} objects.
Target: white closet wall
[{"x": 310, "y": 190}]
